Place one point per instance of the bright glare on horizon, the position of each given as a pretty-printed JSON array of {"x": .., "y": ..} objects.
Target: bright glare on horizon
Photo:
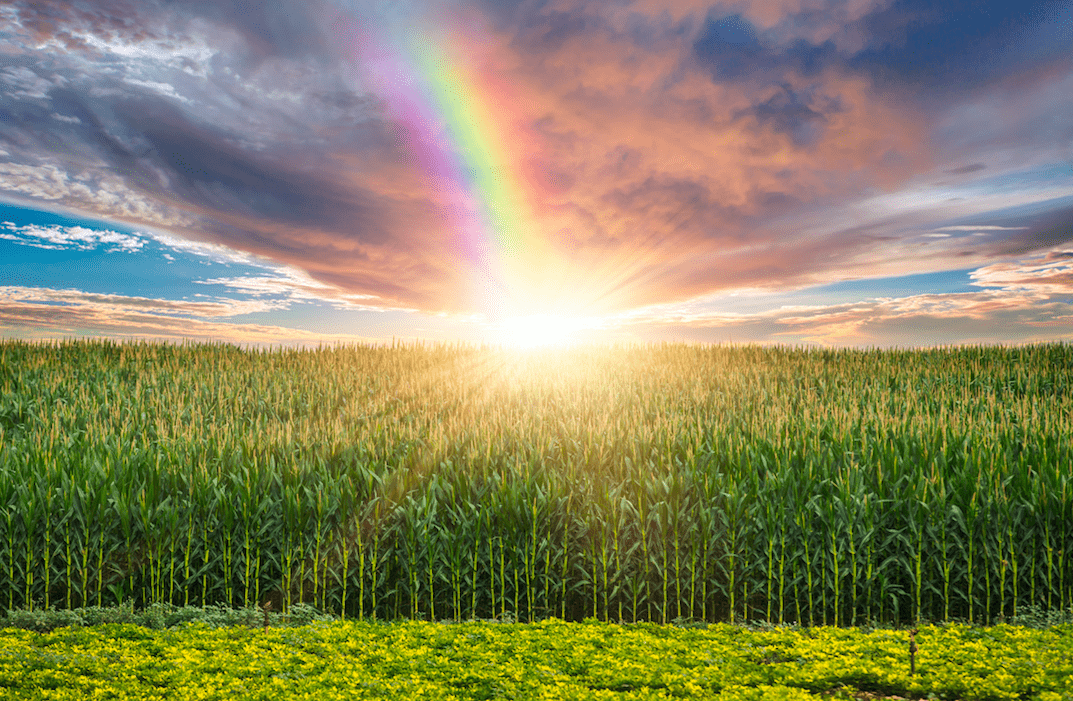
[{"x": 539, "y": 331}]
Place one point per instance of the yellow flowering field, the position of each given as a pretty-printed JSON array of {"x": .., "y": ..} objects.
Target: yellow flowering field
[{"x": 548, "y": 660}]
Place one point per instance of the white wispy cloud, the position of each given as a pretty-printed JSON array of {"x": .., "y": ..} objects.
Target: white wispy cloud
[
  {"x": 165, "y": 89},
  {"x": 95, "y": 190},
  {"x": 296, "y": 285},
  {"x": 43, "y": 313},
  {"x": 53, "y": 299},
  {"x": 70, "y": 237},
  {"x": 23, "y": 83},
  {"x": 981, "y": 228},
  {"x": 203, "y": 249}
]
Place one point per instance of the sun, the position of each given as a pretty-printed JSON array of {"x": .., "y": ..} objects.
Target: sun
[{"x": 539, "y": 331}]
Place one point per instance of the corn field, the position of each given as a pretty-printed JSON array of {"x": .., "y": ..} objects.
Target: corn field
[{"x": 623, "y": 483}]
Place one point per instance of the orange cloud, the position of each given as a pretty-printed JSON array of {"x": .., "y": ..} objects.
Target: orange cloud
[
  {"x": 987, "y": 317},
  {"x": 36, "y": 313},
  {"x": 671, "y": 173},
  {"x": 1050, "y": 273}
]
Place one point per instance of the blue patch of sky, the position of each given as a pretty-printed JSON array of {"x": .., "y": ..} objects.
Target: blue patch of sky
[
  {"x": 958, "y": 44},
  {"x": 943, "y": 282},
  {"x": 159, "y": 271},
  {"x": 155, "y": 270},
  {"x": 1048, "y": 175},
  {"x": 935, "y": 47}
]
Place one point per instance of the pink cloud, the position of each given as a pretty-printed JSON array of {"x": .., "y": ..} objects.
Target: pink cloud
[
  {"x": 671, "y": 172},
  {"x": 1049, "y": 274},
  {"x": 988, "y": 316},
  {"x": 44, "y": 313}
]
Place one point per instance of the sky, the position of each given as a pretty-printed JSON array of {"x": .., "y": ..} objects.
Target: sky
[{"x": 841, "y": 173}]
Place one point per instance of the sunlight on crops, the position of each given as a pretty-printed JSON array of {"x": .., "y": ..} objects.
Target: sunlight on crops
[{"x": 631, "y": 482}]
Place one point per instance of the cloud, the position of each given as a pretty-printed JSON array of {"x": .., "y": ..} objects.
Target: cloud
[
  {"x": 296, "y": 285},
  {"x": 1054, "y": 228},
  {"x": 802, "y": 115},
  {"x": 982, "y": 227},
  {"x": 42, "y": 182},
  {"x": 1050, "y": 273},
  {"x": 989, "y": 317},
  {"x": 285, "y": 284},
  {"x": 69, "y": 237},
  {"x": 660, "y": 150},
  {"x": 965, "y": 170},
  {"x": 113, "y": 305},
  {"x": 673, "y": 164},
  {"x": 42, "y": 314},
  {"x": 93, "y": 190},
  {"x": 23, "y": 83},
  {"x": 165, "y": 89},
  {"x": 215, "y": 252}
]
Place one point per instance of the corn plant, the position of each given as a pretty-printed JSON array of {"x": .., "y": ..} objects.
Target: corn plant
[{"x": 630, "y": 482}]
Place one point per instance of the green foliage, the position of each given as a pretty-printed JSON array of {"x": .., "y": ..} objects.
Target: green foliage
[
  {"x": 158, "y": 616},
  {"x": 453, "y": 482},
  {"x": 1041, "y": 619},
  {"x": 41, "y": 620},
  {"x": 548, "y": 660}
]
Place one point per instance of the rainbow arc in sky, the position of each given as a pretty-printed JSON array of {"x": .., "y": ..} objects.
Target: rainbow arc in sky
[{"x": 456, "y": 125}]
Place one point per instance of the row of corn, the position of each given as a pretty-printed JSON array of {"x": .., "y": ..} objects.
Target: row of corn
[{"x": 625, "y": 483}]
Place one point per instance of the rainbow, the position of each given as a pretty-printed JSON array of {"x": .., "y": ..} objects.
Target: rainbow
[{"x": 460, "y": 141}]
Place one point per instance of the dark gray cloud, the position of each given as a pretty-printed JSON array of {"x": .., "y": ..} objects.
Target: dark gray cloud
[
  {"x": 802, "y": 114},
  {"x": 293, "y": 30},
  {"x": 205, "y": 169},
  {"x": 164, "y": 151},
  {"x": 731, "y": 48},
  {"x": 965, "y": 170},
  {"x": 267, "y": 29},
  {"x": 67, "y": 22},
  {"x": 1043, "y": 232}
]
